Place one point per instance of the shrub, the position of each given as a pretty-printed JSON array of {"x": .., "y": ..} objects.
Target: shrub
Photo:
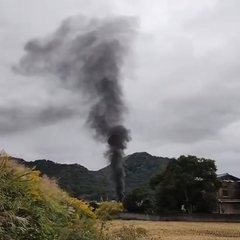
[{"x": 109, "y": 210}]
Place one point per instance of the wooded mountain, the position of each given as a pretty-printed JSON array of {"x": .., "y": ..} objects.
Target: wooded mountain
[{"x": 81, "y": 182}]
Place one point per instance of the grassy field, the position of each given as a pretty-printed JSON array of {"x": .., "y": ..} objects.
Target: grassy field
[{"x": 182, "y": 230}]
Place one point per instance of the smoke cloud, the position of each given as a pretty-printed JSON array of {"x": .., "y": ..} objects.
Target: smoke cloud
[{"x": 87, "y": 56}]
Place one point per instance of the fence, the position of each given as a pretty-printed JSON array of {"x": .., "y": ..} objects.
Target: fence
[{"x": 183, "y": 217}]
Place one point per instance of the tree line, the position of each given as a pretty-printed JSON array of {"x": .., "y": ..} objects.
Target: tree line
[{"x": 188, "y": 184}]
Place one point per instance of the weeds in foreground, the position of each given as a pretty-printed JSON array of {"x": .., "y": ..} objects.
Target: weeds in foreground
[
  {"x": 129, "y": 233},
  {"x": 122, "y": 233},
  {"x": 35, "y": 208}
]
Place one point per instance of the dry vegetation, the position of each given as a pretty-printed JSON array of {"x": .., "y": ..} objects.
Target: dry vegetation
[
  {"x": 35, "y": 208},
  {"x": 182, "y": 230}
]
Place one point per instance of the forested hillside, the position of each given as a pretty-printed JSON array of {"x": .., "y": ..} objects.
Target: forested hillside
[{"x": 81, "y": 182}]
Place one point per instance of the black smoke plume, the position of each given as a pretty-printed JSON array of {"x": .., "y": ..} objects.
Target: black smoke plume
[{"x": 87, "y": 55}]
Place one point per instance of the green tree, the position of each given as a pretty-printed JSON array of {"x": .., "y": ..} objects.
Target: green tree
[
  {"x": 188, "y": 181},
  {"x": 138, "y": 201}
]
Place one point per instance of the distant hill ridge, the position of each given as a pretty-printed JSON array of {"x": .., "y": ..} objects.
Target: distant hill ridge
[{"x": 81, "y": 182}]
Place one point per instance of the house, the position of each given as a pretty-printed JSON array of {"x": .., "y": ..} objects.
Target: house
[{"x": 229, "y": 194}]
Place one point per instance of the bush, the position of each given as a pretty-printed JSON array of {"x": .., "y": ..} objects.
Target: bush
[{"x": 109, "y": 210}]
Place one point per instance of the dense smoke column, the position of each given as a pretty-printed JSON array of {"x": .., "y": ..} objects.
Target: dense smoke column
[
  {"x": 87, "y": 55},
  {"x": 107, "y": 114},
  {"x": 118, "y": 138}
]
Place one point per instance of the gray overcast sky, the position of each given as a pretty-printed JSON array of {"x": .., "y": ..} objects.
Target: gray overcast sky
[{"x": 181, "y": 83}]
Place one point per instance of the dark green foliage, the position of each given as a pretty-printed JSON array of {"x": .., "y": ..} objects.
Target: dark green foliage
[
  {"x": 96, "y": 185},
  {"x": 188, "y": 181},
  {"x": 138, "y": 201}
]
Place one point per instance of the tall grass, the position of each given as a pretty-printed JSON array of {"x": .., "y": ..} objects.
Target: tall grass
[
  {"x": 35, "y": 208},
  {"x": 109, "y": 210}
]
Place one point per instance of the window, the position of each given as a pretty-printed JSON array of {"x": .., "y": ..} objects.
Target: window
[
  {"x": 236, "y": 194},
  {"x": 225, "y": 192},
  {"x": 236, "y": 206}
]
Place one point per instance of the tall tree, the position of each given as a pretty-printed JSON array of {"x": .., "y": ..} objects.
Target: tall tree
[{"x": 188, "y": 181}]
